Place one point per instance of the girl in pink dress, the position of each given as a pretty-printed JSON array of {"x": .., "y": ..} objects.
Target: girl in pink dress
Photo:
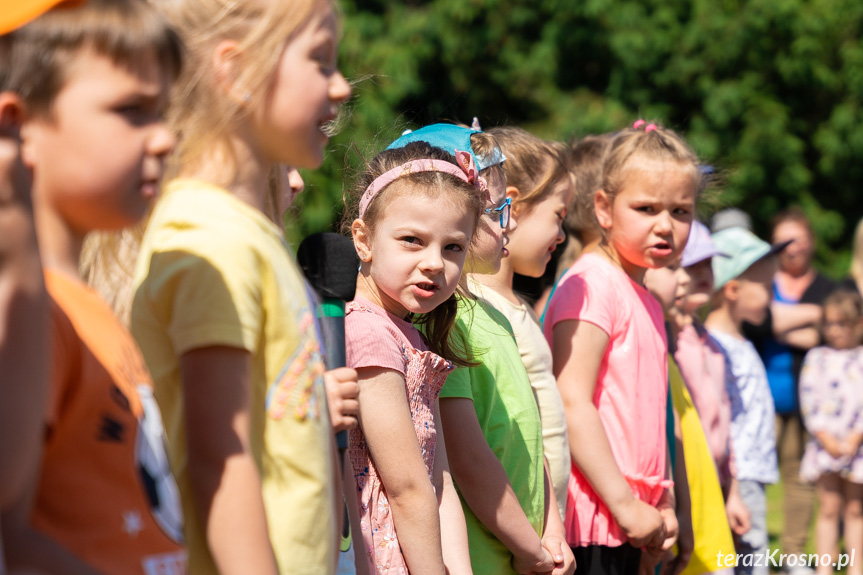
[
  {"x": 609, "y": 351},
  {"x": 831, "y": 399},
  {"x": 417, "y": 213}
]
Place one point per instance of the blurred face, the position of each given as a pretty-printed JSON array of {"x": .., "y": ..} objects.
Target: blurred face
[
  {"x": 796, "y": 259},
  {"x": 303, "y": 98},
  {"x": 840, "y": 332},
  {"x": 755, "y": 291},
  {"x": 539, "y": 232},
  {"x": 648, "y": 223},
  {"x": 663, "y": 284},
  {"x": 98, "y": 160},
  {"x": 415, "y": 255},
  {"x": 489, "y": 245},
  {"x": 700, "y": 284}
]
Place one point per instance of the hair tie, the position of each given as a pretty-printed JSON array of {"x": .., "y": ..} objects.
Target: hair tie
[
  {"x": 465, "y": 171},
  {"x": 637, "y": 124},
  {"x": 649, "y": 128}
]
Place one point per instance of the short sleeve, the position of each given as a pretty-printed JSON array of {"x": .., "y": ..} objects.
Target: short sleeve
[
  {"x": 458, "y": 383},
  {"x": 372, "y": 340},
  {"x": 586, "y": 297},
  {"x": 207, "y": 289},
  {"x": 809, "y": 389}
]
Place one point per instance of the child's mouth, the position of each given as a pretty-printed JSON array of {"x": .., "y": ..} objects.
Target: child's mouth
[
  {"x": 425, "y": 289},
  {"x": 661, "y": 250}
]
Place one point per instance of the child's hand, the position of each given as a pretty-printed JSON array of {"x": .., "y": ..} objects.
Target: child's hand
[
  {"x": 738, "y": 514},
  {"x": 666, "y": 540},
  {"x": 832, "y": 446},
  {"x": 532, "y": 566},
  {"x": 642, "y": 523},
  {"x": 342, "y": 394},
  {"x": 564, "y": 561}
]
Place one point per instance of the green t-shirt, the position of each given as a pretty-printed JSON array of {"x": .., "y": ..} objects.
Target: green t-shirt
[{"x": 508, "y": 417}]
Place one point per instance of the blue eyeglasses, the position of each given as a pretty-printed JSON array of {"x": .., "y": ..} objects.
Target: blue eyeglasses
[{"x": 503, "y": 212}]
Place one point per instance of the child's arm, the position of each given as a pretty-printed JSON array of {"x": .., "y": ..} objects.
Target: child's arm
[
  {"x": 686, "y": 538},
  {"x": 24, "y": 361},
  {"x": 736, "y": 510},
  {"x": 485, "y": 486},
  {"x": 577, "y": 354},
  {"x": 456, "y": 554},
  {"x": 385, "y": 419},
  {"x": 554, "y": 533},
  {"x": 27, "y": 548},
  {"x": 225, "y": 483}
]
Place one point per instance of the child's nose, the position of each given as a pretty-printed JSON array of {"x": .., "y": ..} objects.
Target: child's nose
[
  {"x": 663, "y": 223},
  {"x": 162, "y": 140},
  {"x": 340, "y": 89},
  {"x": 432, "y": 261}
]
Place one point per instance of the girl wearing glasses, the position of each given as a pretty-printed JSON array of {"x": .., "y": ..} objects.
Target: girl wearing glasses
[
  {"x": 539, "y": 186},
  {"x": 831, "y": 399},
  {"x": 489, "y": 416}
]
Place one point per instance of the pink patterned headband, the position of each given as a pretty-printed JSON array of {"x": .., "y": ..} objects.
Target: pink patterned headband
[{"x": 465, "y": 171}]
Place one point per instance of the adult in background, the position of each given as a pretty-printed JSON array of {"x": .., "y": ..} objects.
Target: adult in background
[
  {"x": 854, "y": 281},
  {"x": 789, "y": 331}
]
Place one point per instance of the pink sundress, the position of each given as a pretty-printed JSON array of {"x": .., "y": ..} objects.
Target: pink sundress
[{"x": 425, "y": 373}]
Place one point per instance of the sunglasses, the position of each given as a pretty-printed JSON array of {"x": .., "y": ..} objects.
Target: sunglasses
[{"x": 502, "y": 212}]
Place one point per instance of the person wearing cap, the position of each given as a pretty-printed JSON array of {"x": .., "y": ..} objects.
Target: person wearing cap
[
  {"x": 782, "y": 340},
  {"x": 742, "y": 292},
  {"x": 702, "y": 364}
]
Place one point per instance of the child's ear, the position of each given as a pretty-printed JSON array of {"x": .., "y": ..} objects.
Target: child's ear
[
  {"x": 11, "y": 114},
  {"x": 512, "y": 193},
  {"x": 225, "y": 64},
  {"x": 731, "y": 290},
  {"x": 602, "y": 208},
  {"x": 362, "y": 240}
]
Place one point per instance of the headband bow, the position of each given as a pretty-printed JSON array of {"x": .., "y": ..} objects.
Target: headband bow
[
  {"x": 647, "y": 128},
  {"x": 465, "y": 171}
]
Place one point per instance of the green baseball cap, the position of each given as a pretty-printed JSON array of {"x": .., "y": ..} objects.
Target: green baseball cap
[{"x": 744, "y": 250}]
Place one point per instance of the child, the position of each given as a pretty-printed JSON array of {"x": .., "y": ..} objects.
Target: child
[
  {"x": 417, "y": 215},
  {"x": 831, "y": 398},
  {"x": 607, "y": 337},
  {"x": 742, "y": 293},
  {"x": 702, "y": 364},
  {"x": 580, "y": 227},
  {"x": 695, "y": 475},
  {"x": 539, "y": 184},
  {"x": 487, "y": 410},
  {"x": 94, "y": 81},
  {"x": 220, "y": 308}
]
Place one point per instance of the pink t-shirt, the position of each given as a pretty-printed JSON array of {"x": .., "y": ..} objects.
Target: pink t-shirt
[
  {"x": 702, "y": 364},
  {"x": 631, "y": 389}
]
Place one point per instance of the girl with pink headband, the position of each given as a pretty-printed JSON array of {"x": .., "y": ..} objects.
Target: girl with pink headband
[{"x": 416, "y": 211}]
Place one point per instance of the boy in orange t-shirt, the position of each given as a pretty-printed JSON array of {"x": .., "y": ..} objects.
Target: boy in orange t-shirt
[{"x": 94, "y": 81}]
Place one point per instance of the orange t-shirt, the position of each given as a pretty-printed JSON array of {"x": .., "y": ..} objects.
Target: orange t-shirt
[{"x": 106, "y": 492}]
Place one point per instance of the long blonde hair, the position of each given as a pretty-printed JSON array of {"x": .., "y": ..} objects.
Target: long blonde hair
[
  {"x": 857, "y": 255},
  {"x": 202, "y": 114}
]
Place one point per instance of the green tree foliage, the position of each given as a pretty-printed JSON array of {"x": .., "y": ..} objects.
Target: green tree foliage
[{"x": 769, "y": 91}]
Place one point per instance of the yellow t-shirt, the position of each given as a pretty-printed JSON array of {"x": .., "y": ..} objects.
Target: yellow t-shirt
[
  {"x": 212, "y": 270},
  {"x": 709, "y": 522}
]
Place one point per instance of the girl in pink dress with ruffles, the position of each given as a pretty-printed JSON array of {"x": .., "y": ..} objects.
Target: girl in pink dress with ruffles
[
  {"x": 831, "y": 399},
  {"x": 608, "y": 343},
  {"x": 418, "y": 210}
]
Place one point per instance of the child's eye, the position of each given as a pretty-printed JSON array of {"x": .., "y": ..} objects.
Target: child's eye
[
  {"x": 646, "y": 209},
  {"x": 411, "y": 240},
  {"x": 455, "y": 247}
]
